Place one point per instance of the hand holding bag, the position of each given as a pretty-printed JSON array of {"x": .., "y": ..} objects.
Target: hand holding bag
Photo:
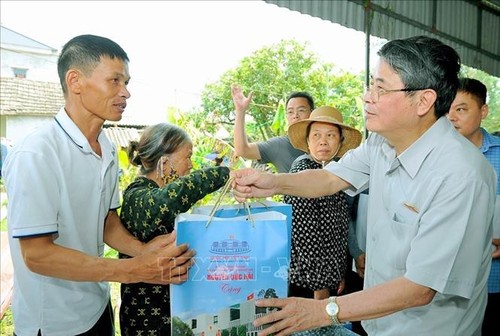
[{"x": 240, "y": 257}]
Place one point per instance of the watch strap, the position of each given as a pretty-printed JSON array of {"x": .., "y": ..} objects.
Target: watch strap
[{"x": 335, "y": 319}]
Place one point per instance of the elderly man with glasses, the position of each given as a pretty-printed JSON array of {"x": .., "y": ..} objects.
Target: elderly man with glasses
[{"x": 430, "y": 211}]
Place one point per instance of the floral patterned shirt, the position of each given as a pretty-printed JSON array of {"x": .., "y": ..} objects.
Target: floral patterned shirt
[{"x": 148, "y": 211}]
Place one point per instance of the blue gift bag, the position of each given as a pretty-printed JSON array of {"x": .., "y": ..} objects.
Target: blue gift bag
[
  {"x": 238, "y": 259},
  {"x": 235, "y": 210}
]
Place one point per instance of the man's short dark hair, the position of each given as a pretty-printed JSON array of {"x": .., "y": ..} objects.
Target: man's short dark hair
[
  {"x": 474, "y": 87},
  {"x": 84, "y": 52},
  {"x": 302, "y": 94}
]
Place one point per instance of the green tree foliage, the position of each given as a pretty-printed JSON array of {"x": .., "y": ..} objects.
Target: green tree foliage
[
  {"x": 267, "y": 293},
  {"x": 272, "y": 73},
  {"x": 242, "y": 330},
  {"x": 180, "y": 328}
]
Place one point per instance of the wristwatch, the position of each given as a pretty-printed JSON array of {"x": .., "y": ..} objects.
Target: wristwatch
[{"x": 332, "y": 309}]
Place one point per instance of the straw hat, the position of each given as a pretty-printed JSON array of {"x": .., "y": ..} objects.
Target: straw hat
[{"x": 298, "y": 132}]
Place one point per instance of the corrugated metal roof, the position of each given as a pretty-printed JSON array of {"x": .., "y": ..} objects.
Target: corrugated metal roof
[
  {"x": 471, "y": 27},
  {"x": 28, "y": 97},
  {"x": 121, "y": 137}
]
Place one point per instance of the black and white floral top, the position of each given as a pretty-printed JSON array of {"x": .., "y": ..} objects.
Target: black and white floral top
[
  {"x": 148, "y": 211},
  {"x": 319, "y": 236}
]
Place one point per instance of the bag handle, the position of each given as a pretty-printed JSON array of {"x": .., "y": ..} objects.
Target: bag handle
[{"x": 224, "y": 191}]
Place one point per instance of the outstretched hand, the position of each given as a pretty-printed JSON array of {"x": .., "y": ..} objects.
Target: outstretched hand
[
  {"x": 241, "y": 102},
  {"x": 252, "y": 183}
]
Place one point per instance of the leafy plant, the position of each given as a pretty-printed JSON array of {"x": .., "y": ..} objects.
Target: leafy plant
[{"x": 272, "y": 73}]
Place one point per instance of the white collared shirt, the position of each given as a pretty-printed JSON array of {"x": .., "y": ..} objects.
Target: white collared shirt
[{"x": 57, "y": 185}]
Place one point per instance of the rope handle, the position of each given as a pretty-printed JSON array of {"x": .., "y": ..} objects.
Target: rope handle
[{"x": 224, "y": 191}]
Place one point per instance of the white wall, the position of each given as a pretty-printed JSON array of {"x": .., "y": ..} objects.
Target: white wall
[
  {"x": 40, "y": 67},
  {"x": 18, "y": 127}
]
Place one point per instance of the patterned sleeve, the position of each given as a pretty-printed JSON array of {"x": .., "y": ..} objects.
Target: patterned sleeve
[{"x": 148, "y": 210}]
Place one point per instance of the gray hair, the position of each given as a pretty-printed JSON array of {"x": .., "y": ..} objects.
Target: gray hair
[
  {"x": 156, "y": 141},
  {"x": 425, "y": 62}
]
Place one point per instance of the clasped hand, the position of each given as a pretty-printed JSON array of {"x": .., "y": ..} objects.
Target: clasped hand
[{"x": 162, "y": 262}]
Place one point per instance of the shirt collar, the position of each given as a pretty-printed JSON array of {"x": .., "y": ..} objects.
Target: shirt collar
[
  {"x": 488, "y": 141},
  {"x": 413, "y": 157},
  {"x": 76, "y": 135}
]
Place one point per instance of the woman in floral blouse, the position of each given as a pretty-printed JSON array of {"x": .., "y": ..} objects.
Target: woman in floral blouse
[
  {"x": 319, "y": 225},
  {"x": 165, "y": 188}
]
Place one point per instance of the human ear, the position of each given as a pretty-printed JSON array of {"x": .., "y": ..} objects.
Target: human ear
[
  {"x": 73, "y": 81},
  {"x": 426, "y": 101},
  {"x": 484, "y": 111}
]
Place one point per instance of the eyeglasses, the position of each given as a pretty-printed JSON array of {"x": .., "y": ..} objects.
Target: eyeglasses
[
  {"x": 376, "y": 92},
  {"x": 300, "y": 111}
]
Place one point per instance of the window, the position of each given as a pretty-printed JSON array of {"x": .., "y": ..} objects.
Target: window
[{"x": 20, "y": 72}]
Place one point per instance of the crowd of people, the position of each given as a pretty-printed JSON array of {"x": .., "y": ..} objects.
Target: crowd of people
[{"x": 428, "y": 257}]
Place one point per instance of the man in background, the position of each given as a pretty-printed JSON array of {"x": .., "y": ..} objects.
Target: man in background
[
  {"x": 467, "y": 112},
  {"x": 278, "y": 150}
]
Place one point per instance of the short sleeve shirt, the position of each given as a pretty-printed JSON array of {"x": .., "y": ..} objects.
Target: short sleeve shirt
[
  {"x": 429, "y": 220},
  {"x": 491, "y": 150},
  {"x": 278, "y": 151},
  {"x": 57, "y": 185}
]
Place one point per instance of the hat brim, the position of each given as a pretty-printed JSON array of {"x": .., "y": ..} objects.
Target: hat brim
[{"x": 298, "y": 135}]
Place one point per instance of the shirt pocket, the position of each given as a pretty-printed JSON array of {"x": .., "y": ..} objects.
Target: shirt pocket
[
  {"x": 397, "y": 237},
  {"x": 406, "y": 213}
]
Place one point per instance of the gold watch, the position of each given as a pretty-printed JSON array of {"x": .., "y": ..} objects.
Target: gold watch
[{"x": 332, "y": 309}]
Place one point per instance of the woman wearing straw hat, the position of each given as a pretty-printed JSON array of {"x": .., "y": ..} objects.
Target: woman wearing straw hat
[{"x": 320, "y": 225}]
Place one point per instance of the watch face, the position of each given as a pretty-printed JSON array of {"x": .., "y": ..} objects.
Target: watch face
[{"x": 332, "y": 309}]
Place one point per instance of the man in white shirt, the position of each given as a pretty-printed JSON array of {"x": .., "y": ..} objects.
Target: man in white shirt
[
  {"x": 430, "y": 211},
  {"x": 62, "y": 187}
]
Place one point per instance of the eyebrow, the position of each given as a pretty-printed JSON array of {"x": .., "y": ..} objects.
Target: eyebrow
[
  {"x": 377, "y": 80},
  {"x": 121, "y": 75}
]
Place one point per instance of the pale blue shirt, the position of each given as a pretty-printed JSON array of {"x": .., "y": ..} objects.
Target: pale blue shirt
[
  {"x": 57, "y": 185},
  {"x": 429, "y": 220}
]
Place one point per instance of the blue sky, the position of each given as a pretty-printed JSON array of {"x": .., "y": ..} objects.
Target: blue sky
[{"x": 176, "y": 47}]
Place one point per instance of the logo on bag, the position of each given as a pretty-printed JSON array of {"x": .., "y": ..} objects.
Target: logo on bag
[{"x": 230, "y": 246}]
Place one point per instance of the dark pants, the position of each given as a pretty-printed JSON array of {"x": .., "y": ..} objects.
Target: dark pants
[
  {"x": 491, "y": 322},
  {"x": 302, "y": 292},
  {"x": 105, "y": 326}
]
